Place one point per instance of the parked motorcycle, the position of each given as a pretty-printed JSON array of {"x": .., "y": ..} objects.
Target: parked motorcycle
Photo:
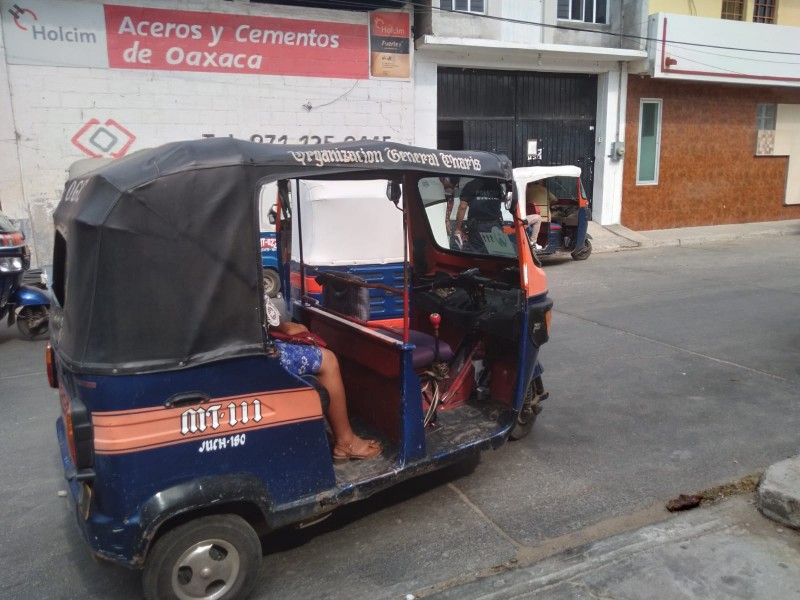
[{"x": 26, "y": 305}]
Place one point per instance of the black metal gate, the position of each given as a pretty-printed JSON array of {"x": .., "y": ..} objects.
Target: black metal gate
[{"x": 533, "y": 118}]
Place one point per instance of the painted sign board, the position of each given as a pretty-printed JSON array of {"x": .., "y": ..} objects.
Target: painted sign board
[
  {"x": 390, "y": 46},
  {"x": 73, "y": 34}
]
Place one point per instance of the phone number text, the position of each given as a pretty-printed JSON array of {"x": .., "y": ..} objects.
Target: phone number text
[{"x": 274, "y": 138}]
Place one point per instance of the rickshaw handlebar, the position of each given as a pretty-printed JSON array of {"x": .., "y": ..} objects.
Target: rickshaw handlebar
[{"x": 470, "y": 280}]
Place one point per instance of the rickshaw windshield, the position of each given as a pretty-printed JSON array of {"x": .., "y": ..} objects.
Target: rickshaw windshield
[
  {"x": 563, "y": 188},
  {"x": 483, "y": 231}
]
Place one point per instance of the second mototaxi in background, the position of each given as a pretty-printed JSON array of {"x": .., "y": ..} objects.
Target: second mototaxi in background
[{"x": 559, "y": 197}]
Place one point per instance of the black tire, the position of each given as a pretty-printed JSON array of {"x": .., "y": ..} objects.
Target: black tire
[
  {"x": 584, "y": 252},
  {"x": 33, "y": 321},
  {"x": 210, "y": 558},
  {"x": 527, "y": 415},
  {"x": 272, "y": 283}
]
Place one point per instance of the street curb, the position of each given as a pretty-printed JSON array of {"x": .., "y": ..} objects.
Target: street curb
[
  {"x": 614, "y": 238},
  {"x": 778, "y": 493}
]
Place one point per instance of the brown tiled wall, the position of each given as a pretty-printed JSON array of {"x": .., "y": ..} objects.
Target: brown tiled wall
[{"x": 708, "y": 171}]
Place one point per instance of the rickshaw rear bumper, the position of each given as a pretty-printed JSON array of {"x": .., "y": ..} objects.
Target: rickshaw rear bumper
[{"x": 97, "y": 528}]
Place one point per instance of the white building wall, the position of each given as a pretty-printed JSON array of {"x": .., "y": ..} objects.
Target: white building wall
[
  {"x": 522, "y": 10},
  {"x": 787, "y": 143},
  {"x": 426, "y": 102},
  {"x": 726, "y": 56},
  {"x": 51, "y": 104},
  {"x": 11, "y": 196},
  {"x": 611, "y": 101}
]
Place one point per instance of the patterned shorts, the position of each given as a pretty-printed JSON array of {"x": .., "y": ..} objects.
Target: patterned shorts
[{"x": 300, "y": 359}]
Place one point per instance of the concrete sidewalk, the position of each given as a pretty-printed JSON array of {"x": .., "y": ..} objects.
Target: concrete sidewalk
[
  {"x": 614, "y": 238},
  {"x": 728, "y": 550},
  {"x": 746, "y": 546}
]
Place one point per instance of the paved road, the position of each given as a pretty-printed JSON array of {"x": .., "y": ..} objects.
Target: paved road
[{"x": 670, "y": 370}]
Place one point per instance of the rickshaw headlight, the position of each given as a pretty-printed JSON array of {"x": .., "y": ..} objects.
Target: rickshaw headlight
[{"x": 10, "y": 264}]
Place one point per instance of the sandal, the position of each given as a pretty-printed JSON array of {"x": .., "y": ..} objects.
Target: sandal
[{"x": 341, "y": 455}]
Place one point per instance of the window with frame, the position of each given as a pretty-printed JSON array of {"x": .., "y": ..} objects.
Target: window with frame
[
  {"x": 587, "y": 11},
  {"x": 766, "y": 116},
  {"x": 649, "y": 142},
  {"x": 764, "y": 11},
  {"x": 733, "y": 10},
  {"x": 471, "y": 6}
]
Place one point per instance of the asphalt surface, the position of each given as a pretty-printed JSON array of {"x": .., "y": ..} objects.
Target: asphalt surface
[{"x": 670, "y": 370}]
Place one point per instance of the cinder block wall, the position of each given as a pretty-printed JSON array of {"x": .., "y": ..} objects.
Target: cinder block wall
[{"x": 51, "y": 105}]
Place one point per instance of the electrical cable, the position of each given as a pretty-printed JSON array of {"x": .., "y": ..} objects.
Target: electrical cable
[
  {"x": 309, "y": 107},
  {"x": 416, "y": 4}
]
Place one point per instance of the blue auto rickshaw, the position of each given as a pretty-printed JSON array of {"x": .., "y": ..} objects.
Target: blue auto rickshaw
[
  {"x": 348, "y": 228},
  {"x": 269, "y": 244},
  {"x": 182, "y": 437}
]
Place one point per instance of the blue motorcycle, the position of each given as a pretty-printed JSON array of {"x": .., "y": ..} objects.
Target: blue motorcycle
[{"x": 28, "y": 306}]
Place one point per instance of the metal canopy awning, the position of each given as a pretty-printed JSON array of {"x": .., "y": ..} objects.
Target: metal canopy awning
[{"x": 516, "y": 55}]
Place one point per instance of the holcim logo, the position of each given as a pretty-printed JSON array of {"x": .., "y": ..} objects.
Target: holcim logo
[
  {"x": 19, "y": 13},
  {"x": 99, "y": 140},
  {"x": 45, "y": 33}
]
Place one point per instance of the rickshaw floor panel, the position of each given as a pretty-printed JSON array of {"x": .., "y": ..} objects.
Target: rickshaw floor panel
[
  {"x": 454, "y": 429},
  {"x": 354, "y": 471},
  {"x": 466, "y": 424}
]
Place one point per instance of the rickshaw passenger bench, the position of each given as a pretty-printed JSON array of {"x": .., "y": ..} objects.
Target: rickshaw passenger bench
[{"x": 347, "y": 296}]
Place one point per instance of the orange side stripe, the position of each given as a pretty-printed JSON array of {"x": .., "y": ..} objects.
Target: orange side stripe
[{"x": 118, "y": 432}]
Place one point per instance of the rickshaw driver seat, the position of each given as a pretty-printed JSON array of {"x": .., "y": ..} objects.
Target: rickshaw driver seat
[{"x": 425, "y": 347}]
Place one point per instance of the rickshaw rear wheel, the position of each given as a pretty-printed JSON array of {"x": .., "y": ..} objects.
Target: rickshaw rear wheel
[
  {"x": 272, "y": 283},
  {"x": 584, "y": 252},
  {"x": 211, "y": 558},
  {"x": 527, "y": 414}
]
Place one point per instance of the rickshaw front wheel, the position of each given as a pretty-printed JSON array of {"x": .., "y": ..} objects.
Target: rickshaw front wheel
[
  {"x": 584, "y": 252},
  {"x": 272, "y": 283},
  {"x": 527, "y": 414},
  {"x": 211, "y": 558}
]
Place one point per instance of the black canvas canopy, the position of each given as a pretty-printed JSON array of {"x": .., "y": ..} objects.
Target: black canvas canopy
[{"x": 157, "y": 263}]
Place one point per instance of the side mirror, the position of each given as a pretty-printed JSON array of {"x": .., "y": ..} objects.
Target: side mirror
[
  {"x": 511, "y": 203},
  {"x": 394, "y": 192},
  {"x": 272, "y": 216}
]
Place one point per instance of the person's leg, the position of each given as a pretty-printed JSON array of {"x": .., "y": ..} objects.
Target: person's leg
[
  {"x": 347, "y": 442},
  {"x": 535, "y": 221}
]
